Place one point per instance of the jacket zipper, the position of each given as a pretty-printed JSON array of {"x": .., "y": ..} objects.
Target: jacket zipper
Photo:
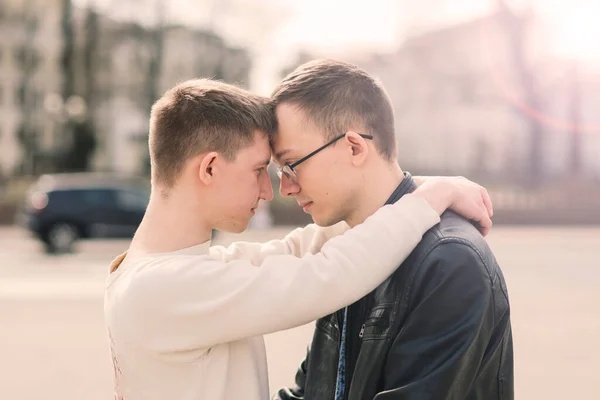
[
  {"x": 359, "y": 310},
  {"x": 351, "y": 343},
  {"x": 362, "y": 331},
  {"x": 349, "y": 337}
]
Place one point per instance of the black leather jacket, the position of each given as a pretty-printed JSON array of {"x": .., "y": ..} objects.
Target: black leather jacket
[{"x": 438, "y": 328}]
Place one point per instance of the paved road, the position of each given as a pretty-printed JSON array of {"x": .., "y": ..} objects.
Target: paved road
[{"x": 53, "y": 346}]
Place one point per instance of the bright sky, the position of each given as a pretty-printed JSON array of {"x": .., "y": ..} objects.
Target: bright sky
[
  {"x": 275, "y": 29},
  {"x": 574, "y": 29}
]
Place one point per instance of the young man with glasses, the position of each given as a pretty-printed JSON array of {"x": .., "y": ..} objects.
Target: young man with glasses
[
  {"x": 439, "y": 327},
  {"x": 185, "y": 321}
]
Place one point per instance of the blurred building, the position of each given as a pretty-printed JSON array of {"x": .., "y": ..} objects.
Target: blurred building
[
  {"x": 461, "y": 107},
  {"x": 120, "y": 69},
  {"x": 451, "y": 116},
  {"x": 124, "y": 79},
  {"x": 29, "y": 70},
  {"x": 572, "y": 97}
]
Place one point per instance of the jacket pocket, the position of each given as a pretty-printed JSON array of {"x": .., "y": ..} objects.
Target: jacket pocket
[{"x": 377, "y": 323}]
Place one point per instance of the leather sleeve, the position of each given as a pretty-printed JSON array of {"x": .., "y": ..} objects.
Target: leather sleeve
[
  {"x": 443, "y": 340},
  {"x": 297, "y": 392}
]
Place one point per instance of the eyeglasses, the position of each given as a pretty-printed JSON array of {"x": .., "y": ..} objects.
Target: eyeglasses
[{"x": 288, "y": 169}]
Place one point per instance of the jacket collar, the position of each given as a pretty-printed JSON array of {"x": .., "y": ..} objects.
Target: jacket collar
[{"x": 407, "y": 185}]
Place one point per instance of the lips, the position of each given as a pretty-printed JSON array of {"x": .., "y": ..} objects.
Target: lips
[{"x": 306, "y": 206}]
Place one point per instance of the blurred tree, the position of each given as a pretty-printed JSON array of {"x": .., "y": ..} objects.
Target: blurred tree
[
  {"x": 156, "y": 52},
  {"x": 79, "y": 127},
  {"x": 67, "y": 62},
  {"x": 516, "y": 29},
  {"x": 67, "y": 70},
  {"x": 157, "y": 43},
  {"x": 28, "y": 60},
  {"x": 90, "y": 58},
  {"x": 480, "y": 162},
  {"x": 575, "y": 111}
]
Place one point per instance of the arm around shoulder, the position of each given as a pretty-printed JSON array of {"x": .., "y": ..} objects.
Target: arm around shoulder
[{"x": 203, "y": 301}]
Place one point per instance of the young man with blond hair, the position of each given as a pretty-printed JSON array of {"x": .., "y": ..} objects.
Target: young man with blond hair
[{"x": 185, "y": 321}]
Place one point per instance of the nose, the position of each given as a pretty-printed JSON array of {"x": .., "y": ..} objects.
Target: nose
[
  {"x": 266, "y": 189},
  {"x": 287, "y": 187}
]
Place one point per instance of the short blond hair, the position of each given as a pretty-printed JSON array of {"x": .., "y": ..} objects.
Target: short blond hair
[{"x": 203, "y": 115}]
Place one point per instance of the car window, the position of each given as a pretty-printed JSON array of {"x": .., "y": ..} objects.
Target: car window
[
  {"x": 64, "y": 200},
  {"x": 132, "y": 200},
  {"x": 98, "y": 197}
]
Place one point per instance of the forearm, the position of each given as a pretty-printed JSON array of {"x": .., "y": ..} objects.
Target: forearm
[
  {"x": 258, "y": 299},
  {"x": 305, "y": 240}
]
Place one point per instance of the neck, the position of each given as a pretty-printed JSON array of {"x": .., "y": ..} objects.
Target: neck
[
  {"x": 170, "y": 224},
  {"x": 375, "y": 192}
]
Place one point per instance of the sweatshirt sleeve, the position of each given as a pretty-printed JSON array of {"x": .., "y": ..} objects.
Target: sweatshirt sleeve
[
  {"x": 300, "y": 241},
  {"x": 197, "y": 302}
]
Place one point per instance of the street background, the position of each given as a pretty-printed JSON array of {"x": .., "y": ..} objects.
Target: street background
[
  {"x": 503, "y": 92},
  {"x": 53, "y": 343}
]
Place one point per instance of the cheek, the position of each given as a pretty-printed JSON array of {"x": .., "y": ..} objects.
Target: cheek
[
  {"x": 247, "y": 189},
  {"x": 334, "y": 190},
  {"x": 322, "y": 184},
  {"x": 327, "y": 175}
]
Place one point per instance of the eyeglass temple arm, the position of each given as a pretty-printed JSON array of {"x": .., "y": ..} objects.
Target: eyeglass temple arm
[{"x": 324, "y": 146}]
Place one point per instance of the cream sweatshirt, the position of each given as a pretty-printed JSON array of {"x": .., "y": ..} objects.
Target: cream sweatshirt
[{"x": 188, "y": 325}]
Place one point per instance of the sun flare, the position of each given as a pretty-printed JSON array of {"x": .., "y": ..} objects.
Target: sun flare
[{"x": 577, "y": 33}]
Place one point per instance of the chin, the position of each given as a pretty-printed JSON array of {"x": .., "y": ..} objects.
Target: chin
[
  {"x": 324, "y": 220},
  {"x": 234, "y": 227},
  {"x": 239, "y": 227}
]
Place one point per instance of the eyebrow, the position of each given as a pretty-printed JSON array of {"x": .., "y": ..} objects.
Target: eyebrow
[
  {"x": 264, "y": 162},
  {"x": 280, "y": 154}
]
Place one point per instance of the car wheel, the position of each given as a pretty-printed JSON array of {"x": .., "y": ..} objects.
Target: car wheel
[{"x": 61, "y": 237}]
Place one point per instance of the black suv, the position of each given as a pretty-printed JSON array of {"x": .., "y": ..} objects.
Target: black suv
[{"x": 62, "y": 208}]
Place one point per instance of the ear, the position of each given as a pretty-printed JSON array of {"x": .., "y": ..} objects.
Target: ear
[
  {"x": 358, "y": 148},
  {"x": 206, "y": 168}
]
